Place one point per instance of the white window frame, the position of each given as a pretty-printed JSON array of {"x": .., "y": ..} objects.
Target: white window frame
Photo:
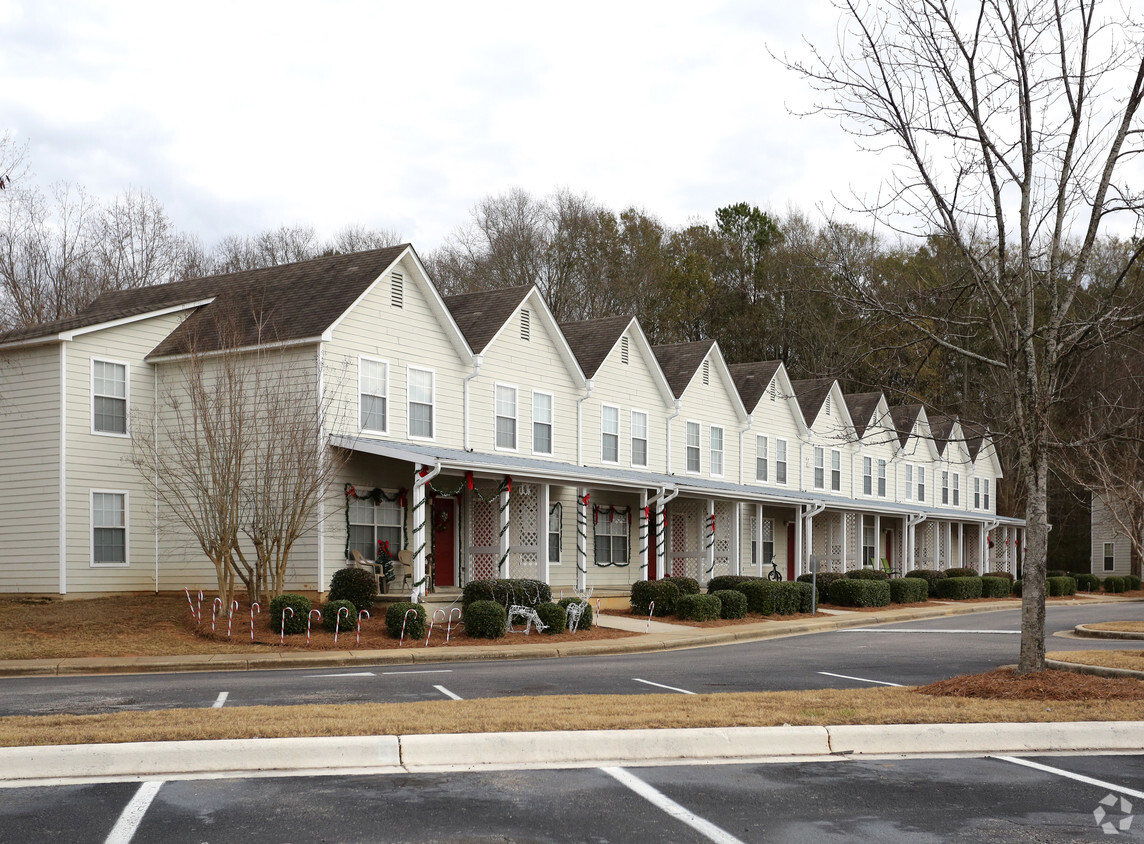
[
  {"x": 432, "y": 403},
  {"x": 868, "y": 559},
  {"x": 559, "y": 532},
  {"x": 909, "y": 482},
  {"x": 819, "y": 467},
  {"x": 956, "y": 489},
  {"x": 1109, "y": 556},
  {"x": 126, "y": 528},
  {"x": 384, "y": 397},
  {"x": 762, "y": 459},
  {"x": 375, "y": 523},
  {"x": 717, "y": 454},
  {"x": 977, "y": 493},
  {"x": 497, "y": 387},
  {"x": 624, "y": 531},
  {"x": 945, "y": 487},
  {"x": 782, "y": 461},
  {"x": 921, "y": 484},
  {"x": 644, "y": 439},
  {"x": 868, "y": 476},
  {"x": 604, "y": 433},
  {"x": 881, "y": 477},
  {"x": 985, "y": 490},
  {"x": 550, "y": 423},
  {"x": 689, "y": 426},
  {"x": 125, "y": 398},
  {"x": 766, "y": 559},
  {"x": 835, "y": 470}
]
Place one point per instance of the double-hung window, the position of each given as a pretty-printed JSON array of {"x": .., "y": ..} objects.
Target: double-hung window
[
  {"x": 819, "y": 467},
  {"x": 956, "y": 490},
  {"x": 692, "y": 445},
  {"x": 867, "y": 476},
  {"x": 370, "y": 525},
  {"x": 835, "y": 470},
  {"x": 767, "y": 527},
  {"x": 109, "y": 397},
  {"x": 881, "y": 478},
  {"x": 868, "y": 546},
  {"x": 108, "y": 528},
  {"x": 985, "y": 485},
  {"x": 611, "y": 540},
  {"x": 506, "y": 416},
  {"x": 555, "y": 532},
  {"x": 420, "y": 403},
  {"x": 761, "y": 458},
  {"x": 944, "y": 486},
  {"x": 541, "y": 423},
  {"x": 780, "y": 461},
  {"x": 909, "y": 482},
  {"x": 977, "y": 493},
  {"x": 1109, "y": 557},
  {"x": 639, "y": 437},
  {"x": 921, "y": 483},
  {"x": 610, "y": 434},
  {"x": 373, "y": 385},
  {"x": 716, "y": 451}
]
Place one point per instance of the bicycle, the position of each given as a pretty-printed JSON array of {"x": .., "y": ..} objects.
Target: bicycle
[{"x": 774, "y": 573}]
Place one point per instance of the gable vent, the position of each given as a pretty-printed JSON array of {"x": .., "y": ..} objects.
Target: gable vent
[
  {"x": 827, "y": 405},
  {"x": 397, "y": 290},
  {"x": 772, "y": 391},
  {"x": 625, "y": 352},
  {"x": 525, "y": 324},
  {"x": 706, "y": 372}
]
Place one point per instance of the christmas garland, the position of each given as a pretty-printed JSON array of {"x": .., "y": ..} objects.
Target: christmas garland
[
  {"x": 710, "y": 541},
  {"x": 611, "y": 512},
  {"x": 375, "y": 497}
]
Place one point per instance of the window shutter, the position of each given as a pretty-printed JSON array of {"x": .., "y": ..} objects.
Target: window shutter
[{"x": 397, "y": 290}]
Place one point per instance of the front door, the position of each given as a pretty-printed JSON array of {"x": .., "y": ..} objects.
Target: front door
[
  {"x": 790, "y": 573},
  {"x": 444, "y": 542}
]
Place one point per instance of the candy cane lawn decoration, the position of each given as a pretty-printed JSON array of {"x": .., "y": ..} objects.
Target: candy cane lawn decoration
[
  {"x": 449, "y": 626},
  {"x": 255, "y": 607},
  {"x": 431, "y": 621},
  {"x": 215, "y": 607},
  {"x": 309, "y": 619},
  {"x": 338, "y": 621},
  {"x": 282, "y": 640},
  {"x": 200, "y": 607},
  {"x": 230, "y": 616},
  {"x": 404, "y": 619},
  {"x": 650, "y": 611},
  {"x": 189, "y": 601},
  {"x": 359, "y": 615}
]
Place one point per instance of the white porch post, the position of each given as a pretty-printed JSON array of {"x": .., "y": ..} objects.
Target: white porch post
[
  {"x": 983, "y": 547},
  {"x": 421, "y": 476},
  {"x": 543, "y": 494},
  {"x": 736, "y": 537},
  {"x": 809, "y": 544},
  {"x": 879, "y": 546},
  {"x": 660, "y": 540},
  {"x": 643, "y": 523},
  {"x": 759, "y": 561},
  {"x": 504, "y": 565},
  {"x": 798, "y": 567},
  {"x": 581, "y": 539},
  {"x": 708, "y": 565}
]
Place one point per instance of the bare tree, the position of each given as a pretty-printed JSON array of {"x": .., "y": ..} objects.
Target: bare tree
[
  {"x": 1011, "y": 123},
  {"x": 355, "y": 238}
]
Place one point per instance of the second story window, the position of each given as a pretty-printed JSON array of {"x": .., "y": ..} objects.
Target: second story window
[
  {"x": 956, "y": 490},
  {"x": 542, "y": 423},
  {"x": 693, "y": 462},
  {"x": 909, "y": 482},
  {"x": 716, "y": 450},
  {"x": 761, "y": 473},
  {"x": 944, "y": 486},
  {"x": 985, "y": 484},
  {"x": 921, "y": 483},
  {"x": 610, "y": 434},
  {"x": 977, "y": 493},
  {"x": 835, "y": 470},
  {"x": 109, "y": 397},
  {"x": 506, "y": 416},
  {"x": 420, "y": 403},
  {"x": 819, "y": 467},
  {"x": 373, "y": 377},
  {"x": 780, "y": 461},
  {"x": 639, "y": 438},
  {"x": 867, "y": 476},
  {"x": 882, "y": 478}
]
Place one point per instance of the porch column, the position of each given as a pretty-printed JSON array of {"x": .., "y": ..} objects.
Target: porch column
[
  {"x": 544, "y": 496},
  {"x": 660, "y": 540},
  {"x": 961, "y": 544},
  {"x": 879, "y": 545},
  {"x": 581, "y": 539},
  {"x": 736, "y": 537},
  {"x": 707, "y": 566},
  {"x": 759, "y": 561},
  {"x": 420, "y": 516},
  {"x": 504, "y": 569},
  {"x": 643, "y": 523},
  {"x": 911, "y": 537},
  {"x": 798, "y": 569},
  {"x": 983, "y": 547},
  {"x": 809, "y": 543}
]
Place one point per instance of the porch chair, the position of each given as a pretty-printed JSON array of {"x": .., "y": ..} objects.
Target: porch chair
[
  {"x": 403, "y": 568},
  {"x": 893, "y": 572},
  {"x": 374, "y": 568}
]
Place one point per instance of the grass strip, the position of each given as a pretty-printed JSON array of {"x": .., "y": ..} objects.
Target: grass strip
[{"x": 1132, "y": 660}]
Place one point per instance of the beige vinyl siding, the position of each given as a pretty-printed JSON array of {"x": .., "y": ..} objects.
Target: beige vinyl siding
[
  {"x": 29, "y": 469},
  {"x": 708, "y": 404},
  {"x": 831, "y": 433},
  {"x": 1105, "y": 528},
  {"x": 878, "y": 443},
  {"x": 407, "y": 336},
  {"x": 775, "y": 420}
]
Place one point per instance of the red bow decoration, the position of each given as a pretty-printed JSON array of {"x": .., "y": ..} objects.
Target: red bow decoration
[
  {"x": 508, "y": 483},
  {"x": 469, "y": 479}
]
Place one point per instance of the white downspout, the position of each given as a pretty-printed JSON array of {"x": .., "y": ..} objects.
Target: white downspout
[
  {"x": 661, "y": 530},
  {"x": 63, "y": 469},
  {"x": 742, "y": 435},
  {"x": 420, "y": 519},
  {"x": 580, "y": 423},
  {"x": 155, "y": 475},
  {"x": 911, "y": 543},
  {"x": 477, "y": 360},
  {"x": 812, "y": 510},
  {"x": 986, "y": 527},
  {"x": 678, "y": 410}
]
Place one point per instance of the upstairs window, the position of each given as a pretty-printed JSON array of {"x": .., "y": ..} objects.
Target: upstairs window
[
  {"x": 819, "y": 467},
  {"x": 944, "y": 486},
  {"x": 977, "y": 493},
  {"x": 780, "y": 461},
  {"x": 716, "y": 450},
  {"x": 761, "y": 467},
  {"x": 109, "y": 397},
  {"x": 985, "y": 483},
  {"x": 881, "y": 478},
  {"x": 639, "y": 438},
  {"x": 610, "y": 434},
  {"x": 867, "y": 476},
  {"x": 921, "y": 483},
  {"x": 956, "y": 490},
  {"x": 542, "y": 423},
  {"x": 420, "y": 403},
  {"x": 693, "y": 462},
  {"x": 909, "y": 482},
  {"x": 373, "y": 385},
  {"x": 505, "y": 416},
  {"x": 835, "y": 470}
]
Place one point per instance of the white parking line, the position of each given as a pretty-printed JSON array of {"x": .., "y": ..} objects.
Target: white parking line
[
  {"x": 220, "y": 700},
  {"x": 436, "y": 671},
  {"x": 859, "y": 679},
  {"x": 133, "y": 812},
  {"x": 918, "y": 630},
  {"x": 662, "y": 686},
  {"x": 1070, "y": 775},
  {"x": 346, "y": 674},
  {"x": 662, "y": 801},
  {"x": 448, "y": 693}
]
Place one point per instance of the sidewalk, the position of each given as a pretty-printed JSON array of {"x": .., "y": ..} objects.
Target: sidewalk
[{"x": 659, "y": 637}]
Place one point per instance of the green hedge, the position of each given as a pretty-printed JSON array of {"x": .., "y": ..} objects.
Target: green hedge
[
  {"x": 959, "y": 588},
  {"x": 1016, "y": 593},
  {"x": 585, "y": 617},
  {"x": 685, "y": 585},
  {"x": 522, "y": 591},
  {"x": 1086, "y": 582},
  {"x": 553, "y": 616},
  {"x": 414, "y": 628},
  {"x": 1132, "y": 581},
  {"x": 734, "y": 603},
  {"x": 1056, "y": 573},
  {"x": 699, "y": 607},
  {"x": 1008, "y": 577},
  {"x": 485, "y": 619},
  {"x": 1058, "y": 586},
  {"x": 784, "y": 597},
  {"x": 995, "y": 587},
  {"x": 357, "y": 586},
  {"x": 344, "y": 621},
  {"x": 962, "y": 572},
  {"x": 724, "y": 582},
  {"x": 860, "y": 593},
  {"x": 825, "y": 578},
  {"x": 1115, "y": 583},
  {"x": 867, "y": 574},
  {"x": 930, "y": 576},
  {"x": 908, "y": 590},
  {"x": 294, "y": 623},
  {"x": 663, "y": 593}
]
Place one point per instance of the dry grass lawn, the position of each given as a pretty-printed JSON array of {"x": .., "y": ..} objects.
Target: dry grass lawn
[
  {"x": 1132, "y": 660},
  {"x": 1120, "y": 626}
]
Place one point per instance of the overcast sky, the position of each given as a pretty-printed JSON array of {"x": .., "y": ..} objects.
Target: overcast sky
[{"x": 241, "y": 116}]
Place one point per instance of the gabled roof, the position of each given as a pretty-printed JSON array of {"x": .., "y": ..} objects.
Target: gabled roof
[
  {"x": 862, "y": 407},
  {"x": 752, "y": 380},
  {"x": 591, "y": 340},
  {"x": 811, "y": 393},
  {"x": 975, "y": 436},
  {"x": 480, "y": 316},
  {"x": 680, "y": 361},
  {"x": 941, "y": 427},
  {"x": 904, "y": 419}
]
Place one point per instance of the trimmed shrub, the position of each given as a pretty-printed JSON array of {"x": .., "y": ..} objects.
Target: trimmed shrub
[
  {"x": 1086, "y": 582},
  {"x": 663, "y": 593},
  {"x": 485, "y": 619},
  {"x": 1016, "y": 593},
  {"x": 1008, "y": 577},
  {"x": 552, "y": 615},
  {"x": 507, "y": 591},
  {"x": 295, "y": 623},
  {"x": 825, "y": 578},
  {"x": 1056, "y": 573},
  {"x": 357, "y": 586},
  {"x": 586, "y": 619},
  {"x": 330, "y": 615},
  {"x": 1132, "y": 582},
  {"x": 783, "y": 597},
  {"x": 860, "y": 593},
  {"x": 395, "y": 617},
  {"x": 959, "y": 588},
  {"x": 685, "y": 585},
  {"x": 1057, "y": 586},
  {"x": 962, "y": 572},
  {"x": 699, "y": 607},
  {"x": 995, "y": 587},
  {"x": 930, "y": 576},
  {"x": 912, "y": 590},
  {"x": 1115, "y": 583},
  {"x": 725, "y": 582},
  {"x": 805, "y": 593},
  {"x": 734, "y": 603},
  {"x": 868, "y": 574}
]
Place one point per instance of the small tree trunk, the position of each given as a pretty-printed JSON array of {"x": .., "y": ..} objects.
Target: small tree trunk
[{"x": 1033, "y": 573}]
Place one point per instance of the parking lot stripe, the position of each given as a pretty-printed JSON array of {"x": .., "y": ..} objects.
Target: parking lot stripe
[
  {"x": 435, "y": 671},
  {"x": 220, "y": 700},
  {"x": 662, "y": 686},
  {"x": 659, "y": 799},
  {"x": 919, "y": 630},
  {"x": 448, "y": 693},
  {"x": 133, "y": 812},
  {"x": 859, "y": 679},
  {"x": 1070, "y": 775}
]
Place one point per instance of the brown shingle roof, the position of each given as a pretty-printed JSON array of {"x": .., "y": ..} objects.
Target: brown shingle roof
[
  {"x": 752, "y": 380},
  {"x": 481, "y": 315},
  {"x": 862, "y": 407},
  {"x": 591, "y": 340},
  {"x": 904, "y": 418},
  {"x": 811, "y": 393},
  {"x": 974, "y": 438},
  {"x": 941, "y": 427},
  {"x": 679, "y": 362}
]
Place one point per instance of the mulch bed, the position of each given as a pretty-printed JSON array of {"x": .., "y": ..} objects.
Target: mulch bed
[{"x": 1007, "y": 684}]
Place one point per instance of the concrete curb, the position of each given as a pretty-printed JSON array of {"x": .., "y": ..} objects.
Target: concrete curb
[
  {"x": 1098, "y": 670},
  {"x": 381, "y": 754},
  {"x": 1097, "y": 633}
]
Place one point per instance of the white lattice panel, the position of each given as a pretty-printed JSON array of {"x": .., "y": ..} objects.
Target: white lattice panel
[
  {"x": 483, "y": 530},
  {"x": 923, "y": 545},
  {"x": 899, "y": 554},
  {"x": 524, "y": 532},
  {"x": 943, "y": 558},
  {"x": 685, "y": 538},
  {"x": 724, "y": 536},
  {"x": 853, "y": 549},
  {"x": 751, "y": 523}
]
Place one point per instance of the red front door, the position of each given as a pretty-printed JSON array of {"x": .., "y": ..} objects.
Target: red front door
[
  {"x": 444, "y": 542},
  {"x": 790, "y": 573}
]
